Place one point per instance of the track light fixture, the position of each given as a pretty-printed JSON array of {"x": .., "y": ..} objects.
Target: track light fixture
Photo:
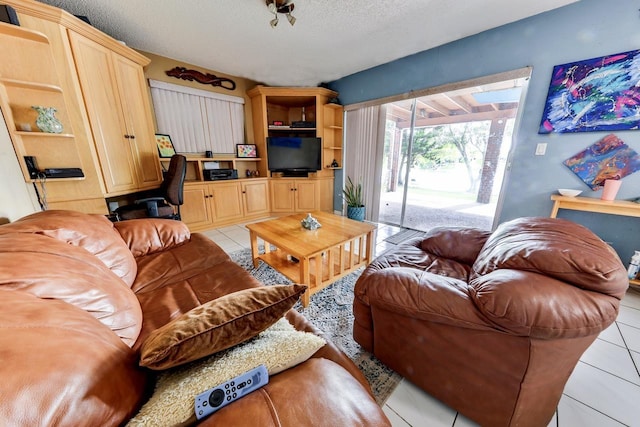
[{"x": 281, "y": 6}]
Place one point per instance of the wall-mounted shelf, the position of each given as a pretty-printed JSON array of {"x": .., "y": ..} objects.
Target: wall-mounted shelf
[
  {"x": 290, "y": 129},
  {"x": 195, "y": 165},
  {"x": 44, "y": 134},
  {"x": 79, "y": 178}
]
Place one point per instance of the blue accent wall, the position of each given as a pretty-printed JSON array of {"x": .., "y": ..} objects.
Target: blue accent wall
[{"x": 583, "y": 30}]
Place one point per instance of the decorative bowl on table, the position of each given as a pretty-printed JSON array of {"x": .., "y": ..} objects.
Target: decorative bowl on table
[{"x": 569, "y": 192}]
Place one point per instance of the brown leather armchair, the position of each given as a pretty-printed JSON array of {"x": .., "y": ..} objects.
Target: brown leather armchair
[{"x": 491, "y": 324}]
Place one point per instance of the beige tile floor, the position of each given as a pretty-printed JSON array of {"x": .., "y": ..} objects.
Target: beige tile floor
[{"x": 604, "y": 389}]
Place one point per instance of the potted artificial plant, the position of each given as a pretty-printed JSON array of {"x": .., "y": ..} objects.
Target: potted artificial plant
[{"x": 353, "y": 196}]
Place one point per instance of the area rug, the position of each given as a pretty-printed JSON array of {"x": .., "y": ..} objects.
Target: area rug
[
  {"x": 403, "y": 236},
  {"x": 331, "y": 311}
]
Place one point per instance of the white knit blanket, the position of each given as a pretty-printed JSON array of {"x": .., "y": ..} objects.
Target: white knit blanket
[{"x": 278, "y": 348}]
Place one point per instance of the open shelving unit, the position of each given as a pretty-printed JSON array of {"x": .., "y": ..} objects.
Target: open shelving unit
[
  {"x": 196, "y": 164},
  {"x": 30, "y": 79},
  {"x": 332, "y": 141}
]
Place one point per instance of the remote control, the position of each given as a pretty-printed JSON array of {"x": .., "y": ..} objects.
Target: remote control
[{"x": 215, "y": 398}]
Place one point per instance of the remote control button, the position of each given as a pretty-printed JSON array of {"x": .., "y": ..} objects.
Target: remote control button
[
  {"x": 201, "y": 412},
  {"x": 233, "y": 383},
  {"x": 228, "y": 391},
  {"x": 204, "y": 403},
  {"x": 216, "y": 398},
  {"x": 228, "y": 398},
  {"x": 235, "y": 395},
  {"x": 249, "y": 381},
  {"x": 226, "y": 386}
]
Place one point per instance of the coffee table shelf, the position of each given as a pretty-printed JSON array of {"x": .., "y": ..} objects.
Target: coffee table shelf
[{"x": 338, "y": 248}]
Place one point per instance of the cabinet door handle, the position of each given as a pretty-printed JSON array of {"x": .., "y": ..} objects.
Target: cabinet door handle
[
  {"x": 132, "y": 136},
  {"x": 127, "y": 136},
  {"x": 244, "y": 192}
]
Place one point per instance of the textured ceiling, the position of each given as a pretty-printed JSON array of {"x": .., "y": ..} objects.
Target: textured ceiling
[{"x": 331, "y": 38}]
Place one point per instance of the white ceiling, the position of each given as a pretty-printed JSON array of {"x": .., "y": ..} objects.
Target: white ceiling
[{"x": 331, "y": 38}]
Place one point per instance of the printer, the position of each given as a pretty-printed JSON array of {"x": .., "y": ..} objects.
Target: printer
[{"x": 219, "y": 174}]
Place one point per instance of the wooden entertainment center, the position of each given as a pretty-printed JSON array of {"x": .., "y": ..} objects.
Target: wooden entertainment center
[{"x": 217, "y": 203}]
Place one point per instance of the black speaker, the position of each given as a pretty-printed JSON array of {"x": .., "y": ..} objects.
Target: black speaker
[{"x": 8, "y": 14}]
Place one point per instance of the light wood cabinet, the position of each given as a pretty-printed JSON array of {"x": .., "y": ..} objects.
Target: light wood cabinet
[
  {"x": 120, "y": 116},
  {"x": 215, "y": 204},
  {"x": 277, "y": 109},
  {"x": 275, "y": 113},
  {"x": 98, "y": 87},
  {"x": 225, "y": 202},
  {"x": 195, "y": 211},
  {"x": 255, "y": 197},
  {"x": 29, "y": 75},
  {"x": 294, "y": 195}
]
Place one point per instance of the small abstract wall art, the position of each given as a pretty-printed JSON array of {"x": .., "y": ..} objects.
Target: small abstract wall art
[
  {"x": 598, "y": 94},
  {"x": 608, "y": 158}
]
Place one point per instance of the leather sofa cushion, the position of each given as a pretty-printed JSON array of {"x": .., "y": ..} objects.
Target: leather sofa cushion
[
  {"x": 93, "y": 233},
  {"x": 556, "y": 248},
  {"x": 218, "y": 325},
  {"x": 412, "y": 255},
  {"x": 461, "y": 244},
  {"x": 530, "y": 304},
  {"x": 172, "y": 282},
  {"x": 310, "y": 394},
  {"x": 61, "y": 367},
  {"x": 53, "y": 269},
  {"x": 144, "y": 237}
]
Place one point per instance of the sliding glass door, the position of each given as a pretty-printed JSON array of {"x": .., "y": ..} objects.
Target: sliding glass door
[{"x": 445, "y": 156}]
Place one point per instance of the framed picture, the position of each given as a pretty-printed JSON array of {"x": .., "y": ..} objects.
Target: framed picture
[
  {"x": 165, "y": 146},
  {"x": 599, "y": 94},
  {"x": 246, "y": 150},
  {"x": 609, "y": 158}
]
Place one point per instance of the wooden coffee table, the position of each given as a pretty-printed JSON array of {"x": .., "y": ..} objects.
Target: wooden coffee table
[{"x": 320, "y": 257}]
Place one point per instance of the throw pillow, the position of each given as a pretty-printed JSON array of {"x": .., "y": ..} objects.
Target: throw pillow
[
  {"x": 217, "y": 325},
  {"x": 279, "y": 347}
]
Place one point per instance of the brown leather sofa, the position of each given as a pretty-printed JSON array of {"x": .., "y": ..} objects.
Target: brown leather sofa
[
  {"x": 78, "y": 296},
  {"x": 491, "y": 324}
]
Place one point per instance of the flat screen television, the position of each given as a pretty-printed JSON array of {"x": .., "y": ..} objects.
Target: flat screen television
[{"x": 294, "y": 154}]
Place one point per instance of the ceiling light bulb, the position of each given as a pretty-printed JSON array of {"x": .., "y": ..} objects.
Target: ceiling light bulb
[
  {"x": 291, "y": 18},
  {"x": 274, "y": 22}
]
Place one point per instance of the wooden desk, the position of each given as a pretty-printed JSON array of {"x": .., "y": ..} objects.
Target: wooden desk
[
  {"x": 589, "y": 204},
  {"x": 323, "y": 256}
]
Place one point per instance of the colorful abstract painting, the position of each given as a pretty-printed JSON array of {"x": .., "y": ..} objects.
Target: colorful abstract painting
[
  {"x": 599, "y": 94},
  {"x": 607, "y": 158}
]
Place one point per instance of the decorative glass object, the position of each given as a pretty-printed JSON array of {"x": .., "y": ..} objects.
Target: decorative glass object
[
  {"x": 310, "y": 223},
  {"x": 47, "y": 121}
]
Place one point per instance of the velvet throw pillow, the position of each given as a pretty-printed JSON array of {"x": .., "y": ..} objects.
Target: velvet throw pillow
[{"x": 217, "y": 325}]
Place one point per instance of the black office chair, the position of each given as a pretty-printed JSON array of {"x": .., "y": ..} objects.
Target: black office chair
[{"x": 170, "y": 195}]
